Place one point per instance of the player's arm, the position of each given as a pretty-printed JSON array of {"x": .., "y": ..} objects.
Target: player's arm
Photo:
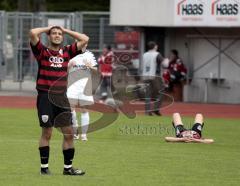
[
  {"x": 174, "y": 139},
  {"x": 71, "y": 64},
  {"x": 200, "y": 140},
  {"x": 94, "y": 68},
  {"x": 82, "y": 39},
  {"x": 188, "y": 140},
  {"x": 91, "y": 62},
  {"x": 34, "y": 34},
  {"x": 160, "y": 58},
  {"x": 89, "y": 65}
]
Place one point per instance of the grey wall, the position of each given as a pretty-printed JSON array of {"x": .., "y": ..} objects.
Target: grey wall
[
  {"x": 141, "y": 12},
  {"x": 195, "y": 50},
  {"x": 228, "y": 92},
  {"x": 171, "y": 13}
]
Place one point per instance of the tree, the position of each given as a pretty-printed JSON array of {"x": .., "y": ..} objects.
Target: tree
[
  {"x": 8, "y": 5},
  {"x": 53, "y": 5},
  {"x": 39, "y": 5},
  {"x": 23, "y": 5}
]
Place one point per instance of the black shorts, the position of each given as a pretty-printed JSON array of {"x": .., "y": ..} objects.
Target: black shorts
[
  {"x": 53, "y": 110},
  {"x": 196, "y": 130}
]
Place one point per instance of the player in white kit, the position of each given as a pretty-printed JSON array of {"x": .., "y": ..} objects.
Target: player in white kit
[{"x": 79, "y": 90}]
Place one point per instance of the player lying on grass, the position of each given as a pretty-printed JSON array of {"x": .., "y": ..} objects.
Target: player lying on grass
[{"x": 188, "y": 135}]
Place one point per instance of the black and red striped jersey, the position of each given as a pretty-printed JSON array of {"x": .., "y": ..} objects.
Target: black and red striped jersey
[{"x": 53, "y": 66}]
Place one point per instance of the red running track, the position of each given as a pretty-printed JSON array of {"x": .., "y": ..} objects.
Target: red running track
[{"x": 187, "y": 109}]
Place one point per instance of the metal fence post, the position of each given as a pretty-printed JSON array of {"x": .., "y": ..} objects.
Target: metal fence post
[
  {"x": 101, "y": 32},
  {"x": 21, "y": 65}
]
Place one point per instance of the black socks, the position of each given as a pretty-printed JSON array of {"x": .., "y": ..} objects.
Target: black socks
[
  {"x": 68, "y": 158},
  {"x": 44, "y": 156}
]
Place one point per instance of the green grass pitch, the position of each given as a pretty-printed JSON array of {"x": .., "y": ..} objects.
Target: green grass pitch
[{"x": 127, "y": 152}]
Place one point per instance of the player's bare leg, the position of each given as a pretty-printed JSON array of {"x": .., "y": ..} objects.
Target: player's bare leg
[
  {"x": 45, "y": 137},
  {"x": 177, "y": 120},
  {"x": 198, "y": 118},
  {"x": 67, "y": 137}
]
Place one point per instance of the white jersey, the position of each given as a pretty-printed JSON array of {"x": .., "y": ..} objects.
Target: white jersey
[
  {"x": 79, "y": 79},
  {"x": 81, "y": 59},
  {"x": 149, "y": 64}
]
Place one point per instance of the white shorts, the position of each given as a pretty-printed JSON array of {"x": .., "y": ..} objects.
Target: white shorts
[{"x": 76, "y": 93}]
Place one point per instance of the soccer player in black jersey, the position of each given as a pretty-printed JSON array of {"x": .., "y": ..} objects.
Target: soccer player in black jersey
[{"x": 52, "y": 103}]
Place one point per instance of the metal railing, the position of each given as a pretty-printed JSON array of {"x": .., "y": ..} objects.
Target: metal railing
[{"x": 19, "y": 64}]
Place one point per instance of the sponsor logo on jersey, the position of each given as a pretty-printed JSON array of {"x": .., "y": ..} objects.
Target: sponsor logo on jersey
[
  {"x": 78, "y": 66},
  {"x": 56, "y": 61}
]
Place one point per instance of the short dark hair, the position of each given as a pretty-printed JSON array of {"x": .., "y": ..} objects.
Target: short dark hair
[
  {"x": 108, "y": 47},
  {"x": 175, "y": 52},
  {"x": 151, "y": 45},
  {"x": 54, "y": 27}
]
